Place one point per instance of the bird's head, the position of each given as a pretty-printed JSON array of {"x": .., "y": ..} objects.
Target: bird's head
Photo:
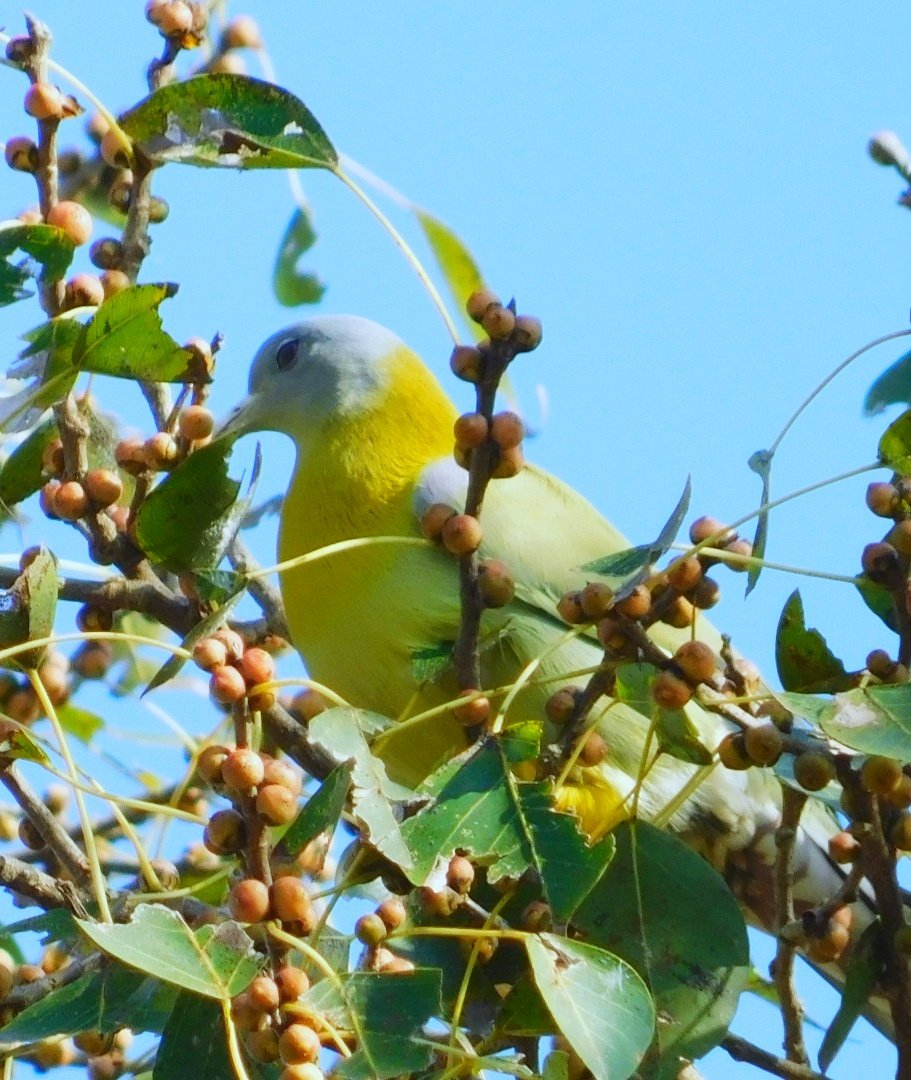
[{"x": 327, "y": 367}]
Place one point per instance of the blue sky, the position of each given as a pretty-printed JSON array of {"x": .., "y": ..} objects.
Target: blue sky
[{"x": 680, "y": 191}]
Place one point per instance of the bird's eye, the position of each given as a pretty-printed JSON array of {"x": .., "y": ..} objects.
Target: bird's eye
[{"x": 286, "y": 353}]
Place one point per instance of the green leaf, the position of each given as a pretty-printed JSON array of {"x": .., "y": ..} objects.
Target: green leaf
[
  {"x": 21, "y": 474},
  {"x": 872, "y": 719},
  {"x": 48, "y": 245},
  {"x": 124, "y": 339},
  {"x": 598, "y": 1001},
  {"x": 343, "y": 733},
  {"x": 387, "y": 1014},
  {"x": 761, "y": 464},
  {"x": 321, "y": 811},
  {"x": 188, "y": 521},
  {"x": 805, "y": 662},
  {"x": 895, "y": 445},
  {"x": 676, "y": 733},
  {"x": 231, "y": 121},
  {"x": 214, "y": 962},
  {"x": 634, "y": 562},
  {"x": 459, "y": 270},
  {"x": 428, "y": 663},
  {"x": 105, "y": 1000},
  {"x": 893, "y": 387},
  {"x": 508, "y": 826},
  {"x": 55, "y": 924},
  {"x": 57, "y": 339},
  {"x": 27, "y": 609},
  {"x": 524, "y": 1013},
  {"x": 865, "y": 967},
  {"x": 650, "y": 908},
  {"x": 21, "y": 745},
  {"x": 556, "y": 1066},
  {"x": 195, "y": 1032},
  {"x": 293, "y": 287},
  {"x": 80, "y": 723}
]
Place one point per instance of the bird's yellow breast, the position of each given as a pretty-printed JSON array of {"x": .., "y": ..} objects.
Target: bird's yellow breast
[{"x": 356, "y": 616}]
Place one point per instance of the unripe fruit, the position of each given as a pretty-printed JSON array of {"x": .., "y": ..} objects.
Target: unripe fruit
[
  {"x": 900, "y": 833},
  {"x": 764, "y": 744},
  {"x": 276, "y": 804},
  {"x": 470, "y": 430},
  {"x": 263, "y": 993},
  {"x": 29, "y": 835},
  {"x": 507, "y": 430},
  {"x": 596, "y": 600},
  {"x": 232, "y": 641},
  {"x": 460, "y": 875},
  {"x": 370, "y": 929},
  {"x": 900, "y": 796},
  {"x": 509, "y": 464},
  {"x": 569, "y": 608},
  {"x": 83, "y": 290},
  {"x": 738, "y": 547},
  {"x": 290, "y": 900},
  {"x": 154, "y": 9},
  {"x": 843, "y": 847},
  {"x": 685, "y": 574},
  {"x": 537, "y": 917},
  {"x": 829, "y": 947},
  {"x": 114, "y": 281},
  {"x": 706, "y": 594},
  {"x": 307, "y": 704},
  {"x": 298, "y": 1044},
  {"x": 228, "y": 63},
  {"x": 227, "y": 685},
  {"x": 478, "y": 303},
  {"x": 496, "y": 583},
  {"x": 242, "y": 769},
  {"x": 880, "y": 775},
  {"x": 813, "y": 770},
  {"x": 679, "y": 613},
  {"x": 46, "y": 498},
  {"x": 881, "y": 564},
  {"x": 209, "y": 654},
  {"x": 561, "y": 705},
  {"x": 262, "y": 1045},
  {"x": 93, "y": 659},
  {"x": 880, "y": 663},
  {"x": 103, "y": 487},
  {"x": 106, "y": 253},
  {"x": 114, "y": 152},
  {"x": 900, "y": 537},
  {"x": 248, "y": 901},
  {"x": 225, "y": 833},
  {"x": 392, "y": 912},
  {"x": 498, "y": 321},
  {"x": 670, "y": 691},
  {"x": 256, "y": 666},
  {"x": 291, "y": 983},
  {"x": 697, "y": 661},
  {"x": 130, "y": 456},
  {"x": 465, "y": 363},
  {"x": 242, "y": 32},
  {"x": 882, "y": 498},
  {"x": 21, "y": 153},
  {"x": 44, "y": 101},
  {"x": 93, "y": 1042},
  {"x": 886, "y": 148},
  {"x": 74, "y": 219},
  {"x": 70, "y": 501},
  {"x": 306, "y": 1071},
  {"x": 461, "y": 534},
  {"x": 434, "y": 518},
  {"x": 594, "y": 750},
  {"x": 705, "y": 528},
  {"x": 732, "y": 752},
  {"x": 474, "y": 711},
  {"x": 90, "y": 618},
  {"x": 636, "y": 604},
  {"x": 196, "y": 422},
  {"x": 174, "y": 18},
  {"x": 527, "y": 333},
  {"x": 209, "y": 763},
  {"x": 161, "y": 451},
  {"x": 284, "y": 774},
  {"x": 158, "y": 210}
]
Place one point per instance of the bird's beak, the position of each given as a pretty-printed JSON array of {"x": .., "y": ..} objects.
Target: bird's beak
[{"x": 237, "y": 422}]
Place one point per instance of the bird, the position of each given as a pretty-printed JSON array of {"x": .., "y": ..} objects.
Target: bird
[{"x": 372, "y": 430}]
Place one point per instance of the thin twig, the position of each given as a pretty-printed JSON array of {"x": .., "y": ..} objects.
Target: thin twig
[
  {"x": 41, "y": 888},
  {"x": 792, "y": 804},
  {"x": 741, "y": 1050}
]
